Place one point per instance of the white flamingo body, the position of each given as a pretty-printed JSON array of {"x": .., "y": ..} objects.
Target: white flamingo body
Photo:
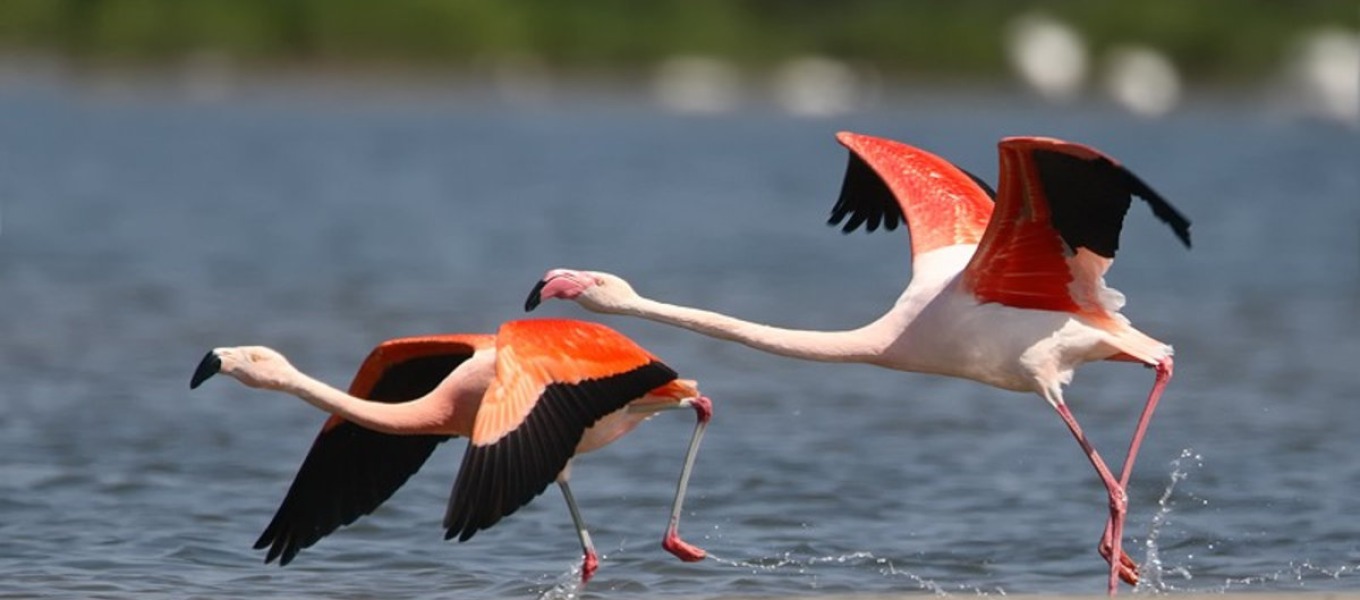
[{"x": 939, "y": 327}]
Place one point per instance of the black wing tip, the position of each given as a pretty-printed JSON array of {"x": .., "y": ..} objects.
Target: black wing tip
[
  {"x": 838, "y": 217},
  {"x": 276, "y": 547},
  {"x": 1160, "y": 207},
  {"x": 535, "y": 298},
  {"x": 467, "y": 534},
  {"x": 287, "y": 557},
  {"x": 463, "y": 533},
  {"x": 1082, "y": 174},
  {"x": 209, "y": 366},
  {"x": 865, "y": 198},
  {"x": 460, "y": 524},
  {"x": 282, "y": 551}
]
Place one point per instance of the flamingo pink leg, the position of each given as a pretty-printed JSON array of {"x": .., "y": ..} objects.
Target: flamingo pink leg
[
  {"x": 1118, "y": 499},
  {"x": 683, "y": 550},
  {"x": 1165, "y": 368},
  {"x": 590, "y": 561}
]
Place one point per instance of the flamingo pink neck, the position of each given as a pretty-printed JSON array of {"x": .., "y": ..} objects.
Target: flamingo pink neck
[
  {"x": 860, "y": 345},
  {"x": 431, "y": 414}
]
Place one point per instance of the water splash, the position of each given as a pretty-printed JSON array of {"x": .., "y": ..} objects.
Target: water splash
[
  {"x": 1296, "y": 573},
  {"x": 566, "y": 586},
  {"x": 1154, "y": 569},
  {"x": 883, "y": 566}
]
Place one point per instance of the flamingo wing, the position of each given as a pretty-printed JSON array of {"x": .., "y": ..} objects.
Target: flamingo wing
[
  {"x": 554, "y": 379},
  {"x": 887, "y": 182},
  {"x": 350, "y": 470},
  {"x": 1059, "y": 212}
]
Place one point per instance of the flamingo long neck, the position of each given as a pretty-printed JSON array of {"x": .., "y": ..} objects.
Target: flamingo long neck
[
  {"x": 426, "y": 415},
  {"x": 860, "y": 345}
]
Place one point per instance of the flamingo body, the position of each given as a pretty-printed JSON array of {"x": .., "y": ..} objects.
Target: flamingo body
[
  {"x": 1007, "y": 285},
  {"x": 938, "y": 327},
  {"x": 529, "y": 398}
]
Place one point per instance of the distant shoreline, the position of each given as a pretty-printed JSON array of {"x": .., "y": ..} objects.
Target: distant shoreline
[
  {"x": 210, "y": 83},
  {"x": 898, "y": 40}
]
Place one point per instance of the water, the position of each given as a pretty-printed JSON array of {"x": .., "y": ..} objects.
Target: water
[{"x": 141, "y": 229}]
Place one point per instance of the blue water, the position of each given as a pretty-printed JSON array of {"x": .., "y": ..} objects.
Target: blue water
[{"x": 139, "y": 229}]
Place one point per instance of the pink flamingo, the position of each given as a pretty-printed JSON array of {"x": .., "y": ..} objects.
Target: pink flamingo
[
  {"x": 1010, "y": 294},
  {"x": 528, "y": 399}
]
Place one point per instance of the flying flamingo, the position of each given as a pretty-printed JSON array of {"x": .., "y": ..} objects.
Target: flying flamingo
[
  {"x": 528, "y": 398},
  {"x": 1016, "y": 300}
]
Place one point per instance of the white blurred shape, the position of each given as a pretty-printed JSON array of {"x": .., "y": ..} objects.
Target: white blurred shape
[
  {"x": 1049, "y": 55},
  {"x": 1142, "y": 80},
  {"x": 1325, "y": 69},
  {"x": 697, "y": 85},
  {"x": 815, "y": 86}
]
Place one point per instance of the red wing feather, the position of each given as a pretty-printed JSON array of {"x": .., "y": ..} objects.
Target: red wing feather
[
  {"x": 1060, "y": 209},
  {"x": 1021, "y": 260},
  {"x": 888, "y": 181},
  {"x": 350, "y": 470}
]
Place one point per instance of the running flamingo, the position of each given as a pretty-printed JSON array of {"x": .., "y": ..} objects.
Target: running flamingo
[
  {"x": 1016, "y": 300},
  {"x": 528, "y": 398}
]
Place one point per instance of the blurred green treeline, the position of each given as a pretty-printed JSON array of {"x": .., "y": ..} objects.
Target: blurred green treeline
[{"x": 1207, "y": 39}]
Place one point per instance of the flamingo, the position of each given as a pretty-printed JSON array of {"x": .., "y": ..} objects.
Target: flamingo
[
  {"x": 1007, "y": 289},
  {"x": 529, "y": 399}
]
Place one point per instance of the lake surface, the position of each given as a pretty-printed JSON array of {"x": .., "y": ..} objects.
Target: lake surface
[{"x": 138, "y": 230}]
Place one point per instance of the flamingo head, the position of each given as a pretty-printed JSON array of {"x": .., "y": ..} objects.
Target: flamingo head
[
  {"x": 254, "y": 366},
  {"x": 593, "y": 290}
]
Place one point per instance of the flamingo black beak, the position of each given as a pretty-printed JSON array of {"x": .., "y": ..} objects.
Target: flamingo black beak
[
  {"x": 535, "y": 298},
  {"x": 209, "y": 366}
]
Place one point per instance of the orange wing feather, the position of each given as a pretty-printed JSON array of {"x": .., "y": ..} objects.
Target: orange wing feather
[
  {"x": 532, "y": 354},
  {"x": 942, "y": 204},
  {"x": 554, "y": 379}
]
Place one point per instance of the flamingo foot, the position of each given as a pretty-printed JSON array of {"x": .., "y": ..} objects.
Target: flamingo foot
[
  {"x": 1128, "y": 568},
  {"x": 681, "y": 549},
  {"x": 588, "y": 567}
]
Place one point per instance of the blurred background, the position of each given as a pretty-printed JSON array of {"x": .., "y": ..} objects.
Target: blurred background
[
  {"x": 321, "y": 176},
  {"x": 804, "y": 56}
]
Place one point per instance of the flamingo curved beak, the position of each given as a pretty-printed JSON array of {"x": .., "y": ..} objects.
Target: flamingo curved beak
[
  {"x": 209, "y": 366},
  {"x": 558, "y": 283},
  {"x": 535, "y": 298}
]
